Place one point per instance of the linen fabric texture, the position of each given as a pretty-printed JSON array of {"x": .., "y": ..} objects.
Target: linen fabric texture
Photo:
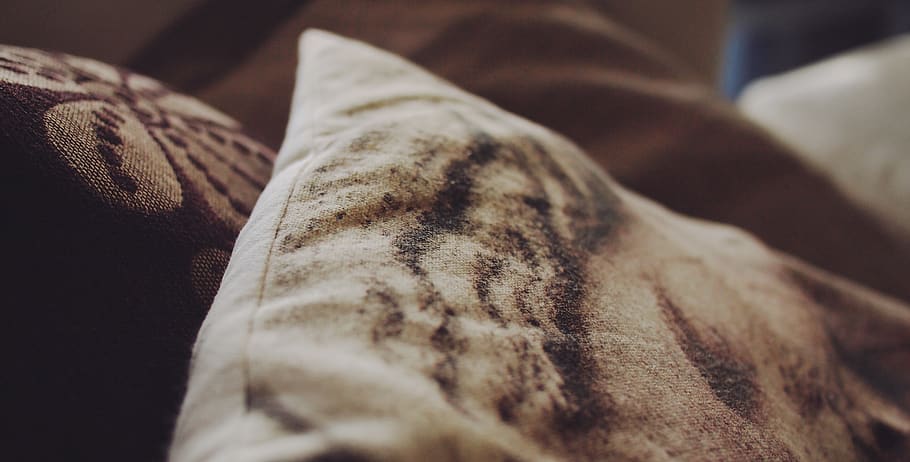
[{"x": 428, "y": 277}]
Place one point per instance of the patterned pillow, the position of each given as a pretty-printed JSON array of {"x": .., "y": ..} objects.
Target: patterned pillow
[
  {"x": 121, "y": 203},
  {"x": 428, "y": 277}
]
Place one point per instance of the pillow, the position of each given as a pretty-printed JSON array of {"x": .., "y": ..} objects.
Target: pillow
[
  {"x": 843, "y": 117},
  {"x": 121, "y": 203},
  {"x": 573, "y": 67},
  {"x": 427, "y": 277}
]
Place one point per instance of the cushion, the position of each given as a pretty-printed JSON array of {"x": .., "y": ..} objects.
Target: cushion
[
  {"x": 573, "y": 67},
  {"x": 428, "y": 277},
  {"x": 121, "y": 203},
  {"x": 843, "y": 117}
]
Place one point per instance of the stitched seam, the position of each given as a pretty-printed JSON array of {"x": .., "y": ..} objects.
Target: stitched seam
[
  {"x": 247, "y": 374},
  {"x": 247, "y": 370}
]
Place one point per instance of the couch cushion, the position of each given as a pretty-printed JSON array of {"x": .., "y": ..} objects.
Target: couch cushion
[
  {"x": 121, "y": 203},
  {"x": 428, "y": 277}
]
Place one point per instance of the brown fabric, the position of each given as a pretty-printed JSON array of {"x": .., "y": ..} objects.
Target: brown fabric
[
  {"x": 430, "y": 278},
  {"x": 121, "y": 203},
  {"x": 203, "y": 44},
  {"x": 478, "y": 38},
  {"x": 105, "y": 30},
  {"x": 693, "y": 31},
  {"x": 633, "y": 108}
]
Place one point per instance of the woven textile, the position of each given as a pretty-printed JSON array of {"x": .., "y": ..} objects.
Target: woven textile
[
  {"x": 428, "y": 277},
  {"x": 121, "y": 203}
]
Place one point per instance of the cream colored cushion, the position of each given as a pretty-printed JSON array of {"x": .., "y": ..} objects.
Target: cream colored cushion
[
  {"x": 429, "y": 278},
  {"x": 847, "y": 118}
]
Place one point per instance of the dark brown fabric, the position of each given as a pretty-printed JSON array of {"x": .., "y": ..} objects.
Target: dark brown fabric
[
  {"x": 634, "y": 109},
  {"x": 199, "y": 47},
  {"x": 121, "y": 203}
]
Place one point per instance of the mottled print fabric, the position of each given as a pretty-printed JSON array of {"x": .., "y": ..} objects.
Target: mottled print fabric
[
  {"x": 121, "y": 202},
  {"x": 427, "y": 277}
]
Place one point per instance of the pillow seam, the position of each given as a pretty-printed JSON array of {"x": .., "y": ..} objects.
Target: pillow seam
[{"x": 247, "y": 370}]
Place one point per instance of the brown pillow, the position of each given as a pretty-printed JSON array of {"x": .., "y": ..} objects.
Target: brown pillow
[
  {"x": 571, "y": 67},
  {"x": 121, "y": 203}
]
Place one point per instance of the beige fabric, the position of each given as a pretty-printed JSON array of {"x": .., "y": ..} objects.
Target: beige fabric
[
  {"x": 428, "y": 277},
  {"x": 847, "y": 118}
]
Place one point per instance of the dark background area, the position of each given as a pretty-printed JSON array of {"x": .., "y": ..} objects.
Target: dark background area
[{"x": 766, "y": 37}]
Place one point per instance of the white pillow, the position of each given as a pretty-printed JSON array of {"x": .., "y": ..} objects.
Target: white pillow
[
  {"x": 429, "y": 278},
  {"x": 846, "y": 117}
]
